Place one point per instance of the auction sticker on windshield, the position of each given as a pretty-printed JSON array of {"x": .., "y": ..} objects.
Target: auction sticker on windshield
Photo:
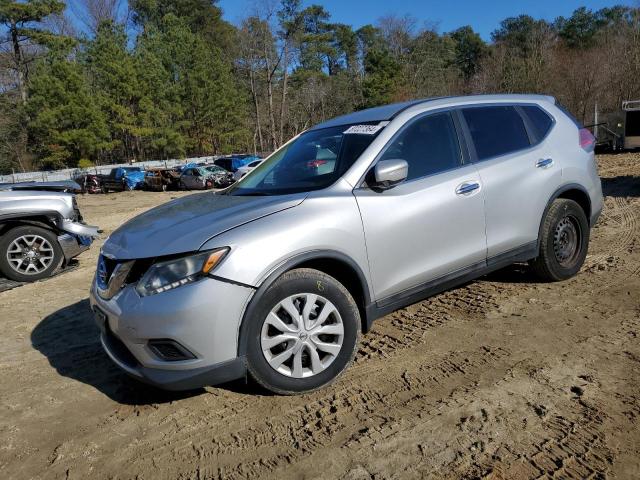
[{"x": 363, "y": 129}]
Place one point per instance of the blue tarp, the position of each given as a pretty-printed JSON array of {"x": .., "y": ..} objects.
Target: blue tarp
[
  {"x": 120, "y": 172},
  {"x": 134, "y": 179},
  {"x": 241, "y": 162}
]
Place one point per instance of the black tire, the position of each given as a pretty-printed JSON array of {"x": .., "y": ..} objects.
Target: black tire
[
  {"x": 17, "y": 232},
  {"x": 564, "y": 241},
  {"x": 303, "y": 281}
]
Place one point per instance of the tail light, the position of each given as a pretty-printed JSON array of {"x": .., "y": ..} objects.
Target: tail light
[{"x": 587, "y": 140}]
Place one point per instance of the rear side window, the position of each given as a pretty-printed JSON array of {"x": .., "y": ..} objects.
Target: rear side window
[
  {"x": 496, "y": 130},
  {"x": 539, "y": 120},
  {"x": 429, "y": 145}
]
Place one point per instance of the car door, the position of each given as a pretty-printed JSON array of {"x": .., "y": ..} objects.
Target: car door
[
  {"x": 431, "y": 226},
  {"x": 518, "y": 171},
  {"x": 188, "y": 179}
]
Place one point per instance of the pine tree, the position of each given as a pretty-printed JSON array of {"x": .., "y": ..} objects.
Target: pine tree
[
  {"x": 66, "y": 123},
  {"x": 20, "y": 19},
  {"x": 114, "y": 85}
]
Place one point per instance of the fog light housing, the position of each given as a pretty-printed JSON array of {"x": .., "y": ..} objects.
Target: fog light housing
[{"x": 169, "y": 350}]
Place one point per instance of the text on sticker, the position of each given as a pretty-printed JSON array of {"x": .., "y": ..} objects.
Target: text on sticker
[{"x": 362, "y": 129}]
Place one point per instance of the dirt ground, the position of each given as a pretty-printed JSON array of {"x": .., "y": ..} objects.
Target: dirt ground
[{"x": 501, "y": 378}]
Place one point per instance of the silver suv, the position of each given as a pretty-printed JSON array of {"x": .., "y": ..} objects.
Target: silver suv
[
  {"x": 41, "y": 229},
  {"x": 278, "y": 275}
]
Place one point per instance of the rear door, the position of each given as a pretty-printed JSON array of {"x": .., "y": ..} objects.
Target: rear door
[
  {"x": 430, "y": 226},
  {"x": 518, "y": 171},
  {"x": 188, "y": 179}
]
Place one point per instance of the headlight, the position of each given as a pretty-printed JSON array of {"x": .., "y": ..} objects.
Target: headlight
[{"x": 174, "y": 273}]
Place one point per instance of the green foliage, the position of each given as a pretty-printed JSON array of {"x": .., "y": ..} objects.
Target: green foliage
[
  {"x": 381, "y": 77},
  {"x": 470, "y": 50},
  {"x": 29, "y": 11},
  {"x": 113, "y": 77},
  {"x": 186, "y": 82},
  {"x": 190, "y": 82},
  {"x": 85, "y": 163},
  {"x": 66, "y": 123},
  {"x": 12, "y": 143}
]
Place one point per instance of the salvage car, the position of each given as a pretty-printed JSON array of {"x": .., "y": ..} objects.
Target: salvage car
[
  {"x": 242, "y": 171},
  {"x": 204, "y": 178},
  {"x": 278, "y": 277},
  {"x": 233, "y": 162},
  {"x": 221, "y": 178},
  {"x": 161, "y": 179},
  {"x": 120, "y": 179},
  {"x": 89, "y": 183},
  {"x": 41, "y": 229}
]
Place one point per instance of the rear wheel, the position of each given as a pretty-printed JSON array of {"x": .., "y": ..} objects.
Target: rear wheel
[
  {"x": 305, "y": 333},
  {"x": 29, "y": 253},
  {"x": 563, "y": 243}
]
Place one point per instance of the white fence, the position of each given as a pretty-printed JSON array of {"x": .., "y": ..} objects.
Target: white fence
[{"x": 70, "y": 173}]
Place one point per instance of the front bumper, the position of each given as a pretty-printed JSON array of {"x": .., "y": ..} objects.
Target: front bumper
[
  {"x": 80, "y": 229},
  {"x": 73, "y": 245},
  {"x": 203, "y": 318}
]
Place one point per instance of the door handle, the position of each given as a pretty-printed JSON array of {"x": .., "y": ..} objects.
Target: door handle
[
  {"x": 544, "y": 163},
  {"x": 467, "y": 187}
]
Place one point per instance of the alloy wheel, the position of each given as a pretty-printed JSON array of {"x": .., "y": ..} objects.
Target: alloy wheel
[{"x": 30, "y": 254}]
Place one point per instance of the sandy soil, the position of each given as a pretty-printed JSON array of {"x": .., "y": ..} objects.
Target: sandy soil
[{"x": 501, "y": 378}]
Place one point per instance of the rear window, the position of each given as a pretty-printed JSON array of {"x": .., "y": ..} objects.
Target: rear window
[
  {"x": 539, "y": 120},
  {"x": 496, "y": 130}
]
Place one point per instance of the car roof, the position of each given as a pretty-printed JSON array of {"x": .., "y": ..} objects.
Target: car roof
[
  {"x": 388, "y": 112},
  {"x": 375, "y": 114}
]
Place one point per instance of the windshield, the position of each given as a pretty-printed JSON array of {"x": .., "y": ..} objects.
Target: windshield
[{"x": 314, "y": 160}]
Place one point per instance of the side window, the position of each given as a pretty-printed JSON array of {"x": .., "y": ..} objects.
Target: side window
[
  {"x": 539, "y": 120},
  {"x": 429, "y": 145},
  {"x": 496, "y": 130}
]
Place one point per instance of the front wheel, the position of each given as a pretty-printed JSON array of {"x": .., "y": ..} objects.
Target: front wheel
[
  {"x": 305, "y": 333},
  {"x": 564, "y": 241},
  {"x": 29, "y": 253}
]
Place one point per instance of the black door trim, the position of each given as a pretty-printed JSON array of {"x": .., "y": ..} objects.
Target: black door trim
[{"x": 421, "y": 292}]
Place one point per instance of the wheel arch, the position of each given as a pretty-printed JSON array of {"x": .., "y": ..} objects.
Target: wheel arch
[
  {"x": 571, "y": 191},
  {"x": 50, "y": 222},
  {"x": 333, "y": 263}
]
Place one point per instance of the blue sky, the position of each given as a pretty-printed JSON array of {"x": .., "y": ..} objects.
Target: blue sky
[{"x": 483, "y": 16}]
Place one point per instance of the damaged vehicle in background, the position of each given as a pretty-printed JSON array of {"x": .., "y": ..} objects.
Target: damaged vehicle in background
[
  {"x": 41, "y": 229},
  {"x": 89, "y": 183},
  {"x": 221, "y": 178},
  {"x": 120, "y": 179},
  {"x": 204, "y": 178},
  {"x": 242, "y": 171},
  {"x": 161, "y": 179}
]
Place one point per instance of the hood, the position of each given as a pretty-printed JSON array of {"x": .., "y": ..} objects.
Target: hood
[
  {"x": 62, "y": 186},
  {"x": 184, "y": 224}
]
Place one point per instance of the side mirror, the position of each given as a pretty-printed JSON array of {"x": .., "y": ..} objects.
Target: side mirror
[{"x": 389, "y": 173}]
